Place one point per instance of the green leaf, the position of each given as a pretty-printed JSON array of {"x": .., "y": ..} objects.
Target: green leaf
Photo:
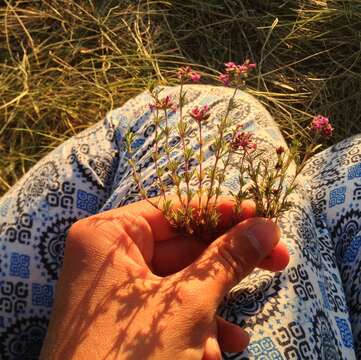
[{"x": 188, "y": 153}]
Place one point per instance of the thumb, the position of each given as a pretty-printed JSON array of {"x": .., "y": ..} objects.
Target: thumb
[{"x": 231, "y": 257}]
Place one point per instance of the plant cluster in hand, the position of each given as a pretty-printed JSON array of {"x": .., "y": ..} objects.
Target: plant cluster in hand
[{"x": 266, "y": 180}]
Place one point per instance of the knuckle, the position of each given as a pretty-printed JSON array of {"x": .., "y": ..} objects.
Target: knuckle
[{"x": 232, "y": 262}]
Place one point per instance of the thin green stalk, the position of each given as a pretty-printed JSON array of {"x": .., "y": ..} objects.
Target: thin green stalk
[
  {"x": 157, "y": 168},
  {"x": 241, "y": 168},
  {"x": 173, "y": 170},
  {"x": 182, "y": 136},
  {"x": 225, "y": 167},
  {"x": 135, "y": 174},
  {"x": 200, "y": 182},
  {"x": 218, "y": 150}
]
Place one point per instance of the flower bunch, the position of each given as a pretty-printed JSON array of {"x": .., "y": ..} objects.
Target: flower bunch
[
  {"x": 165, "y": 103},
  {"x": 236, "y": 74},
  {"x": 200, "y": 114},
  {"x": 187, "y": 73},
  {"x": 264, "y": 178},
  {"x": 320, "y": 125},
  {"x": 270, "y": 181},
  {"x": 243, "y": 140}
]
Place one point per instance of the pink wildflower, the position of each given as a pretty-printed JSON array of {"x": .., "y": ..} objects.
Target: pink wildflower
[
  {"x": 183, "y": 71},
  {"x": 225, "y": 79},
  {"x": 245, "y": 67},
  {"x": 230, "y": 66},
  {"x": 200, "y": 114},
  {"x": 194, "y": 76},
  {"x": 235, "y": 72},
  {"x": 162, "y": 104},
  {"x": 241, "y": 69},
  {"x": 321, "y": 124},
  {"x": 186, "y": 73},
  {"x": 280, "y": 150},
  {"x": 327, "y": 130},
  {"x": 243, "y": 140},
  {"x": 166, "y": 103},
  {"x": 152, "y": 107}
]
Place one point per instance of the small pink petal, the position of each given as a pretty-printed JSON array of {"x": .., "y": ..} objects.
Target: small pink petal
[
  {"x": 230, "y": 65},
  {"x": 225, "y": 79},
  {"x": 194, "y": 76}
]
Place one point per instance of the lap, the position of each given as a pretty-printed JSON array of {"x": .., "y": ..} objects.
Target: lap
[{"x": 299, "y": 311}]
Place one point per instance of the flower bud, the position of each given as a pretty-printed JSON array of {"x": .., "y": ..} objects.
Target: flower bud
[{"x": 280, "y": 150}]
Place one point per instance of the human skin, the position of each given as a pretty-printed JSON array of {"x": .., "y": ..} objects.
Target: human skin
[{"x": 133, "y": 288}]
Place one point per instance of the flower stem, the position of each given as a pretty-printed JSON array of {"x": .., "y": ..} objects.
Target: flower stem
[
  {"x": 200, "y": 181},
  {"x": 218, "y": 150},
  {"x": 155, "y": 157},
  {"x": 182, "y": 136}
]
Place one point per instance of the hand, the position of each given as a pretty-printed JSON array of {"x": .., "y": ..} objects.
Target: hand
[{"x": 131, "y": 288}]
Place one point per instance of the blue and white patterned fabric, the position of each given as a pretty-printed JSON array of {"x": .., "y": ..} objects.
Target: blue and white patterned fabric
[{"x": 311, "y": 310}]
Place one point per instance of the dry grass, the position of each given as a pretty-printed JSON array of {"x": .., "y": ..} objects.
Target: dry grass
[{"x": 65, "y": 63}]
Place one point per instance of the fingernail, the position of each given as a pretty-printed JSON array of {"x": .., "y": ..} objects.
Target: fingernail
[{"x": 263, "y": 235}]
